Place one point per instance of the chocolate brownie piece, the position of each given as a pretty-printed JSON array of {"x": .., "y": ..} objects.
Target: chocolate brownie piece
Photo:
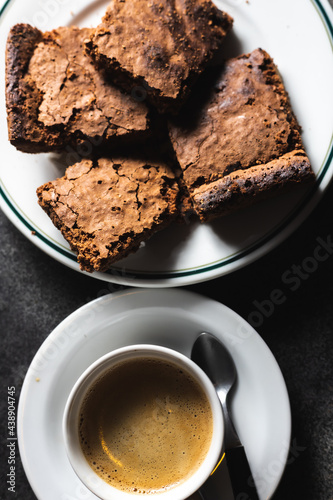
[
  {"x": 237, "y": 139},
  {"x": 159, "y": 47},
  {"x": 56, "y": 97},
  {"x": 107, "y": 207}
]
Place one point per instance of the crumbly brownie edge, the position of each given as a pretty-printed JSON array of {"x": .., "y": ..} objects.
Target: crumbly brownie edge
[
  {"x": 246, "y": 187},
  {"x": 130, "y": 243},
  {"x": 21, "y": 42},
  {"x": 23, "y": 99}
]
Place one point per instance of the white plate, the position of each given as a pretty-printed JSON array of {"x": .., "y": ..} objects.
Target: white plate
[
  {"x": 169, "y": 317},
  {"x": 191, "y": 253}
]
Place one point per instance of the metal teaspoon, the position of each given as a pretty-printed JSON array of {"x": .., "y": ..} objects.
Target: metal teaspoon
[{"x": 214, "y": 359}]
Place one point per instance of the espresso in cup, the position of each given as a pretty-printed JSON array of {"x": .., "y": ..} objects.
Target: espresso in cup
[
  {"x": 145, "y": 425},
  {"x": 143, "y": 420}
]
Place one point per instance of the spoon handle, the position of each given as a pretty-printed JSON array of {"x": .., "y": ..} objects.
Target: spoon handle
[
  {"x": 218, "y": 485},
  {"x": 240, "y": 474}
]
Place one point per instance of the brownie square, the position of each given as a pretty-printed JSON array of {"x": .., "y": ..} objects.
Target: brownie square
[
  {"x": 157, "y": 48},
  {"x": 56, "y": 97},
  {"x": 237, "y": 139},
  {"x": 105, "y": 208}
]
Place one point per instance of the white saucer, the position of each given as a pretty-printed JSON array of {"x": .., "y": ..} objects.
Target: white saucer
[{"x": 168, "y": 317}]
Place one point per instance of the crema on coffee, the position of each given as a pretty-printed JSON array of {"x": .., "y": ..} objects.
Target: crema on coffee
[{"x": 145, "y": 426}]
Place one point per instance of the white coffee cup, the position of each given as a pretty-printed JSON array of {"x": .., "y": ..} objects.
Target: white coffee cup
[{"x": 71, "y": 418}]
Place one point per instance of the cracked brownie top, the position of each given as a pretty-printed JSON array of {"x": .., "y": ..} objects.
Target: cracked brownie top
[
  {"x": 107, "y": 207},
  {"x": 238, "y": 118},
  {"x": 56, "y": 96},
  {"x": 162, "y": 45}
]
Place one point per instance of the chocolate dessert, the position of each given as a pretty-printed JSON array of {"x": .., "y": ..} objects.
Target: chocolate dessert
[
  {"x": 157, "y": 48},
  {"x": 55, "y": 96},
  {"x": 107, "y": 207},
  {"x": 237, "y": 139}
]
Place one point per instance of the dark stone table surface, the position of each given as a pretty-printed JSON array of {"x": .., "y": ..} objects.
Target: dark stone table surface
[{"x": 37, "y": 293}]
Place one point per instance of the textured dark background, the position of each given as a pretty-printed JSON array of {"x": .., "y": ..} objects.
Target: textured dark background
[{"x": 37, "y": 293}]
